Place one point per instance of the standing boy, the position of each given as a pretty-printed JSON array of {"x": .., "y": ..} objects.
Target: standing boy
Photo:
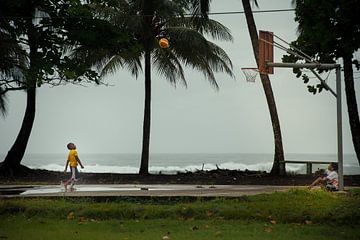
[{"x": 73, "y": 160}]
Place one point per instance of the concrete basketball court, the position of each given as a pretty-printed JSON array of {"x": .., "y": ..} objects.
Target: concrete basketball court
[{"x": 138, "y": 190}]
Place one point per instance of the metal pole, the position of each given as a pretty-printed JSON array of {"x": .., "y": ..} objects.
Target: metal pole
[
  {"x": 339, "y": 128},
  {"x": 303, "y": 65}
]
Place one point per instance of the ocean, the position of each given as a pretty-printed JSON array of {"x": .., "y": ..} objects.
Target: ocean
[{"x": 171, "y": 163}]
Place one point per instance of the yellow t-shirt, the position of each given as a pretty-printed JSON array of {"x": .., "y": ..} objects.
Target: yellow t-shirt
[{"x": 71, "y": 158}]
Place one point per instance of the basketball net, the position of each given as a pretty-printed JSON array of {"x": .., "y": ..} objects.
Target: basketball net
[{"x": 250, "y": 74}]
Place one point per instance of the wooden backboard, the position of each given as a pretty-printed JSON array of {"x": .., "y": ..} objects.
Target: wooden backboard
[{"x": 266, "y": 51}]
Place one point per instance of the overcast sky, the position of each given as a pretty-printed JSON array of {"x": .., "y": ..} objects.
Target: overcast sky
[{"x": 198, "y": 119}]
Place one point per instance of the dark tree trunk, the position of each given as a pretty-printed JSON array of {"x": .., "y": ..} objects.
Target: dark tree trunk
[
  {"x": 144, "y": 165},
  {"x": 17, "y": 151},
  {"x": 278, "y": 167},
  {"x": 352, "y": 105},
  {"x": 11, "y": 164}
]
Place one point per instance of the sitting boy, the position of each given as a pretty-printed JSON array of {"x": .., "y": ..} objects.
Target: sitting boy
[{"x": 330, "y": 180}]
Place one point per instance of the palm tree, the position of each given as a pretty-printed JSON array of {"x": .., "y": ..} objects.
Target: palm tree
[
  {"x": 150, "y": 20},
  {"x": 278, "y": 167}
]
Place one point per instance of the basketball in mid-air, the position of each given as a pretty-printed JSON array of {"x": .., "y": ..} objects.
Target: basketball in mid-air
[{"x": 163, "y": 43}]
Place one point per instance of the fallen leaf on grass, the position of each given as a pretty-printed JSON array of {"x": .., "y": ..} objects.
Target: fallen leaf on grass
[
  {"x": 268, "y": 230},
  {"x": 308, "y": 222},
  {"x": 70, "y": 216},
  {"x": 195, "y": 228},
  {"x": 209, "y": 213},
  {"x": 273, "y": 222}
]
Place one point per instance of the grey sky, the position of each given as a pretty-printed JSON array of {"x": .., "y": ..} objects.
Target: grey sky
[{"x": 198, "y": 119}]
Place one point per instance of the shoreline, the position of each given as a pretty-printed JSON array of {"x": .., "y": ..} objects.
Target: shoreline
[{"x": 215, "y": 177}]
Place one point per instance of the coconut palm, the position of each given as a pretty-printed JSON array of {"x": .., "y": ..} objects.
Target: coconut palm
[
  {"x": 150, "y": 20},
  {"x": 278, "y": 167}
]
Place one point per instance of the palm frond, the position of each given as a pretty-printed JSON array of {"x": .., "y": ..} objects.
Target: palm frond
[
  {"x": 200, "y": 7},
  {"x": 166, "y": 9},
  {"x": 219, "y": 60},
  {"x": 188, "y": 46},
  {"x": 133, "y": 64},
  {"x": 210, "y": 27},
  {"x": 194, "y": 50},
  {"x": 96, "y": 57},
  {"x": 169, "y": 66}
]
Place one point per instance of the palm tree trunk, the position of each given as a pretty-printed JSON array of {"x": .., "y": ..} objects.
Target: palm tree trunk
[
  {"x": 352, "y": 105},
  {"x": 17, "y": 151},
  {"x": 144, "y": 165},
  {"x": 278, "y": 167}
]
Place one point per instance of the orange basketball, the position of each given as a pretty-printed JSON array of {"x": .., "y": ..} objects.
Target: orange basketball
[{"x": 163, "y": 43}]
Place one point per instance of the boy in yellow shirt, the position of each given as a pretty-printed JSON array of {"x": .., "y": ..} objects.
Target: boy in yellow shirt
[{"x": 73, "y": 160}]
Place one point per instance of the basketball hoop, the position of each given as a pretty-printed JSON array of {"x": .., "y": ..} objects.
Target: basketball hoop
[{"x": 250, "y": 74}]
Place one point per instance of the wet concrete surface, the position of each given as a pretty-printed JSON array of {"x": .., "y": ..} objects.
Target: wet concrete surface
[{"x": 7, "y": 191}]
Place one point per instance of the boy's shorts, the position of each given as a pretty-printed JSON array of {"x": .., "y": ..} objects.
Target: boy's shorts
[
  {"x": 74, "y": 173},
  {"x": 331, "y": 187}
]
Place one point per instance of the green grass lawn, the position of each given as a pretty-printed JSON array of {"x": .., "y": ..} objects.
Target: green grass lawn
[
  {"x": 19, "y": 227},
  {"x": 297, "y": 214}
]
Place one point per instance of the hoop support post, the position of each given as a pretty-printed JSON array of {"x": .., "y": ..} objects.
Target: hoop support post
[
  {"x": 339, "y": 129},
  {"x": 326, "y": 66}
]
